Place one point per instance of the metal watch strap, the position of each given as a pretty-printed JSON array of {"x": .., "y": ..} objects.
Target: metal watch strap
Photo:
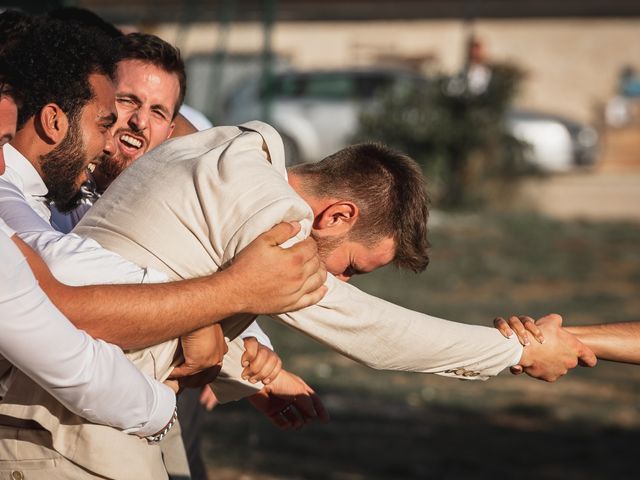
[{"x": 162, "y": 433}]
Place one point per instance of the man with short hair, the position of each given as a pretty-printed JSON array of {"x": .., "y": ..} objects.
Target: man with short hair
[
  {"x": 73, "y": 93},
  {"x": 193, "y": 203}
]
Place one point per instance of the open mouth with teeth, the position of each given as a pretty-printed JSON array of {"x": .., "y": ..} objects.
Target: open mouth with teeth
[{"x": 129, "y": 144}]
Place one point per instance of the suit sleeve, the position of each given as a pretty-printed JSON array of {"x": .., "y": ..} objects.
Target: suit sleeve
[{"x": 385, "y": 336}]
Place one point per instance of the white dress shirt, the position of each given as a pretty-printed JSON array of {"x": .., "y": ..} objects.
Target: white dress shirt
[
  {"x": 23, "y": 206},
  {"x": 104, "y": 387},
  {"x": 90, "y": 377}
]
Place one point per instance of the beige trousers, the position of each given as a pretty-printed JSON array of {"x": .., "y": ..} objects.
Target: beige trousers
[{"x": 26, "y": 454}]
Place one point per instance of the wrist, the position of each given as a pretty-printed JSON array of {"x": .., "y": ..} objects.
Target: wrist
[
  {"x": 526, "y": 359},
  {"x": 228, "y": 285},
  {"x": 158, "y": 436}
]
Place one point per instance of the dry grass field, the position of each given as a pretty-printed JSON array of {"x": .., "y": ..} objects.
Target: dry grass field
[{"x": 409, "y": 426}]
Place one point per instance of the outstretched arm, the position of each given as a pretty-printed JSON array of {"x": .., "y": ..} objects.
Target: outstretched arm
[
  {"x": 618, "y": 342},
  {"x": 136, "y": 316}
]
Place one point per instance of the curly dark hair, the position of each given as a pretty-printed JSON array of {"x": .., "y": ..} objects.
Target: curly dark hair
[
  {"x": 13, "y": 25},
  {"x": 152, "y": 49},
  {"x": 54, "y": 60},
  {"x": 86, "y": 18}
]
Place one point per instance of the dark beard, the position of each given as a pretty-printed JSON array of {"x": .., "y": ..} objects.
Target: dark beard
[
  {"x": 326, "y": 245},
  {"x": 109, "y": 168},
  {"x": 61, "y": 168},
  {"x": 113, "y": 165}
]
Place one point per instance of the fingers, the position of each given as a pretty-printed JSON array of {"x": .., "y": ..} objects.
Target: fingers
[
  {"x": 208, "y": 399},
  {"x": 530, "y": 324},
  {"x": 516, "y": 325},
  {"x": 172, "y": 384},
  {"x": 502, "y": 325},
  {"x": 308, "y": 299},
  {"x": 280, "y": 420},
  {"x": 281, "y": 233},
  {"x": 293, "y": 416},
  {"x": 265, "y": 367},
  {"x": 180, "y": 371},
  {"x": 586, "y": 357},
  {"x": 318, "y": 406},
  {"x": 524, "y": 327},
  {"x": 251, "y": 346}
]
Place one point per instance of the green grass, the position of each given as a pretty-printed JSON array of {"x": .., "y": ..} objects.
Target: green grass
[{"x": 390, "y": 425}]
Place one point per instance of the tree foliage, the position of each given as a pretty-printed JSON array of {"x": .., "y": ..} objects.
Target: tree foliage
[{"x": 461, "y": 139}]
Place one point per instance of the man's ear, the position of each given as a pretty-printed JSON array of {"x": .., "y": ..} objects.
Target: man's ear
[
  {"x": 337, "y": 219},
  {"x": 53, "y": 123}
]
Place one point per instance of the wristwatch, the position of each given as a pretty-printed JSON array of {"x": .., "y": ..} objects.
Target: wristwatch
[{"x": 155, "y": 438}]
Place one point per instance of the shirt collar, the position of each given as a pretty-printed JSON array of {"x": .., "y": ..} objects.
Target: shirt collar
[{"x": 32, "y": 184}]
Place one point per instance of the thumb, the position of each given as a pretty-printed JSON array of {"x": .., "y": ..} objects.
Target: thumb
[
  {"x": 586, "y": 357},
  {"x": 250, "y": 351},
  {"x": 281, "y": 232}
]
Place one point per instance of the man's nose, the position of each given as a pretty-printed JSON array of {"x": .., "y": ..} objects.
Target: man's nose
[
  {"x": 139, "y": 120},
  {"x": 109, "y": 144}
]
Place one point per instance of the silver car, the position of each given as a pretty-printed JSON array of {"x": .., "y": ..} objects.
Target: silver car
[{"x": 317, "y": 113}]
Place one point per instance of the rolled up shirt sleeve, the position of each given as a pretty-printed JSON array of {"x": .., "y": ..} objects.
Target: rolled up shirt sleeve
[{"x": 90, "y": 377}]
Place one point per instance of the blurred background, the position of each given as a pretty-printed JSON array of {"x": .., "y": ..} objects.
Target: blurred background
[{"x": 525, "y": 115}]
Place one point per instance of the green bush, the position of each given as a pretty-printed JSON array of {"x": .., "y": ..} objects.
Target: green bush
[{"x": 459, "y": 138}]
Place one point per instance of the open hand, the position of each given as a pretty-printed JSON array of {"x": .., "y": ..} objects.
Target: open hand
[{"x": 289, "y": 402}]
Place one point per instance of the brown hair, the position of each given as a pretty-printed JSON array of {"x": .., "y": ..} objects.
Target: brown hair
[{"x": 389, "y": 189}]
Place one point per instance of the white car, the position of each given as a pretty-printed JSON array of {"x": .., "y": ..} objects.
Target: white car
[{"x": 317, "y": 112}]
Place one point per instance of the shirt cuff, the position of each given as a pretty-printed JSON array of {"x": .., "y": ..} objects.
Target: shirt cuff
[
  {"x": 161, "y": 412},
  {"x": 517, "y": 355}
]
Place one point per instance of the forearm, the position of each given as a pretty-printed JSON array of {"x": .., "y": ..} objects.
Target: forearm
[
  {"x": 618, "y": 342},
  {"x": 91, "y": 378},
  {"x": 137, "y": 316}
]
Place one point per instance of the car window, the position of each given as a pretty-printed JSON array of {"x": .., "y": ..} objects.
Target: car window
[{"x": 336, "y": 87}]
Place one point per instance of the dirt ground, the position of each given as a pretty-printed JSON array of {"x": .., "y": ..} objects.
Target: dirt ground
[{"x": 609, "y": 191}]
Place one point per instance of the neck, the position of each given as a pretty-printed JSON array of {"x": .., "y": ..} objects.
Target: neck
[{"x": 29, "y": 144}]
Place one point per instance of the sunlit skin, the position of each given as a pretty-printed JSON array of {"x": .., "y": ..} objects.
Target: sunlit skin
[
  {"x": 334, "y": 220},
  {"x": 354, "y": 258},
  {"x": 96, "y": 120},
  {"x": 8, "y": 119}
]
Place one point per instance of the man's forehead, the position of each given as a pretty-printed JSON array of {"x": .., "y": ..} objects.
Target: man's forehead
[{"x": 146, "y": 83}]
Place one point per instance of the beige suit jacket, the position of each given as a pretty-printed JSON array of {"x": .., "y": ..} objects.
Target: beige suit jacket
[{"x": 187, "y": 208}]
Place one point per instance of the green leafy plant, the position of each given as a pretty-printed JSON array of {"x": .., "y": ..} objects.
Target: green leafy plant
[{"x": 460, "y": 138}]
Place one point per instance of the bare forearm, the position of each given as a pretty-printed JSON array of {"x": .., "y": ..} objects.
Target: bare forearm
[
  {"x": 137, "y": 316},
  {"x": 618, "y": 342}
]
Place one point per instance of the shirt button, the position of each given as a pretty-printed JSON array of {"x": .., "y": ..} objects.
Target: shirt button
[{"x": 17, "y": 475}]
